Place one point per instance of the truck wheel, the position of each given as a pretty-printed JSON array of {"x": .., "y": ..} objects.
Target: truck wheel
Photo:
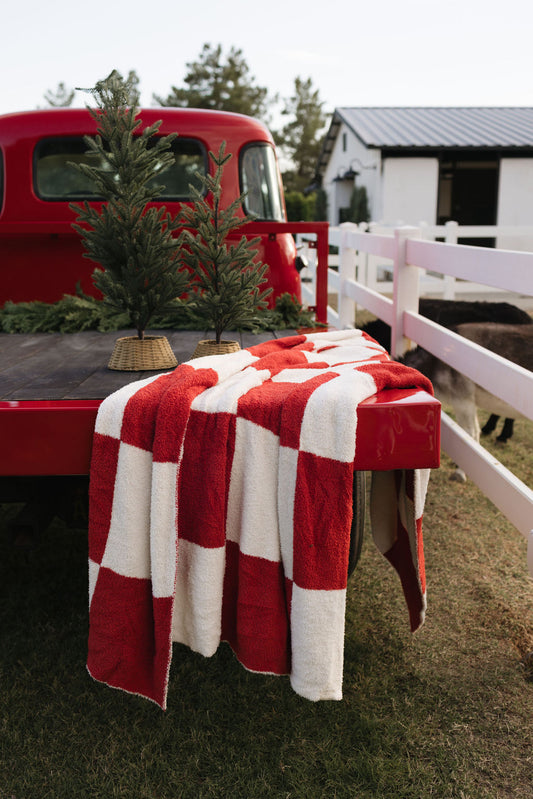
[{"x": 358, "y": 520}]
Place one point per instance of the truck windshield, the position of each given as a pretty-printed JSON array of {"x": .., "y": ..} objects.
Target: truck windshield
[
  {"x": 56, "y": 179},
  {"x": 260, "y": 182}
]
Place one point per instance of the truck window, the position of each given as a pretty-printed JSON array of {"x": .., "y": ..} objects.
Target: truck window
[
  {"x": 56, "y": 179},
  {"x": 260, "y": 182}
]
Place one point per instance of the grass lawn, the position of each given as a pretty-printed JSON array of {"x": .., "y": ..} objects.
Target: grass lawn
[{"x": 446, "y": 713}]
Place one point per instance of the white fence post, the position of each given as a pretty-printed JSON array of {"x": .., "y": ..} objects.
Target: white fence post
[
  {"x": 449, "y": 280},
  {"x": 347, "y": 269},
  {"x": 371, "y": 264},
  {"x": 406, "y": 288},
  {"x": 361, "y": 261}
]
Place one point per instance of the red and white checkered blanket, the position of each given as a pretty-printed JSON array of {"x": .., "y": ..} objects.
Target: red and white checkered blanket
[{"x": 221, "y": 506}]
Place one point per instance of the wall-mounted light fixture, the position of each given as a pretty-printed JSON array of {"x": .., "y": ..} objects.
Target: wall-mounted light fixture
[{"x": 345, "y": 174}]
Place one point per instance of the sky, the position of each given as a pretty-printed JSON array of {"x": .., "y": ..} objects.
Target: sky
[{"x": 371, "y": 53}]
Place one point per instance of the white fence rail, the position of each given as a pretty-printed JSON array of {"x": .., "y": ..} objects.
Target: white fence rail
[
  {"x": 375, "y": 268},
  {"x": 406, "y": 264}
]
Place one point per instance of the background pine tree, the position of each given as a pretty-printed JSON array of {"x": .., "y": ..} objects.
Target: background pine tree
[
  {"x": 219, "y": 81},
  {"x": 301, "y": 137},
  {"x": 62, "y": 97},
  {"x": 138, "y": 256},
  {"x": 227, "y": 278}
]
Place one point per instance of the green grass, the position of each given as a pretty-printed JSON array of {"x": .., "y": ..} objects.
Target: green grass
[{"x": 446, "y": 713}]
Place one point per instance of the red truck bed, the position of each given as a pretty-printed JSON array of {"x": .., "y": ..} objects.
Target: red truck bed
[{"x": 51, "y": 386}]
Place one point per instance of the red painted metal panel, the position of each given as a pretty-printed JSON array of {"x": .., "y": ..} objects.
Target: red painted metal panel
[
  {"x": 322, "y": 248},
  {"x": 396, "y": 429},
  {"x": 46, "y": 437}
]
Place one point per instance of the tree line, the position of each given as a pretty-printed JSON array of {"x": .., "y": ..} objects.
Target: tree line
[{"x": 223, "y": 81}]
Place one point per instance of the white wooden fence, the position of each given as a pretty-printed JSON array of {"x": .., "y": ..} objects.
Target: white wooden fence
[{"x": 412, "y": 265}]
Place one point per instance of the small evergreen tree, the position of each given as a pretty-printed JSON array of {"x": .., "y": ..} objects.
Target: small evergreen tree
[
  {"x": 321, "y": 205},
  {"x": 138, "y": 257},
  {"x": 132, "y": 86},
  {"x": 227, "y": 279},
  {"x": 358, "y": 210}
]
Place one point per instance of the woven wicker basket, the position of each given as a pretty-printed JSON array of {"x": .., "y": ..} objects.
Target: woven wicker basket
[
  {"x": 210, "y": 347},
  {"x": 132, "y": 354}
]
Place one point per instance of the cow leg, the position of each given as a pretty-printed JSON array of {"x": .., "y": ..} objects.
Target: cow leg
[
  {"x": 458, "y": 475},
  {"x": 507, "y": 431},
  {"x": 490, "y": 425},
  {"x": 466, "y": 414}
]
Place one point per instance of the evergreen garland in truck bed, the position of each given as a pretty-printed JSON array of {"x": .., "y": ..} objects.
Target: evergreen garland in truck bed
[{"x": 75, "y": 313}]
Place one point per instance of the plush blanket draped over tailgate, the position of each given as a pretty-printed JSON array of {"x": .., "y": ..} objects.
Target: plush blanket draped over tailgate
[{"x": 221, "y": 506}]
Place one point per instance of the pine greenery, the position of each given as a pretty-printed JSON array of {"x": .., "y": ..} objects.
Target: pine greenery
[
  {"x": 71, "y": 314},
  {"x": 134, "y": 246},
  {"x": 226, "y": 278},
  {"x": 79, "y": 312}
]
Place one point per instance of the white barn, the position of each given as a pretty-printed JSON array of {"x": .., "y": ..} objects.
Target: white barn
[{"x": 472, "y": 165}]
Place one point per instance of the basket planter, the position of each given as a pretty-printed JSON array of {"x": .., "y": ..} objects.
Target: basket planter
[
  {"x": 133, "y": 354},
  {"x": 210, "y": 347}
]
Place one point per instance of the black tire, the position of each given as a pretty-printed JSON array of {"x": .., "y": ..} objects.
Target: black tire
[{"x": 358, "y": 520}]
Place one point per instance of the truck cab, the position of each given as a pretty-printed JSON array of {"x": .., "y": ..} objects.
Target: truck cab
[{"x": 41, "y": 256}]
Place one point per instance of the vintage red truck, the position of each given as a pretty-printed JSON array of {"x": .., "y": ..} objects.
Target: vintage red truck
[
  {"x": 51, "y": 386},
  {"x": 41, "y": 256}
]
